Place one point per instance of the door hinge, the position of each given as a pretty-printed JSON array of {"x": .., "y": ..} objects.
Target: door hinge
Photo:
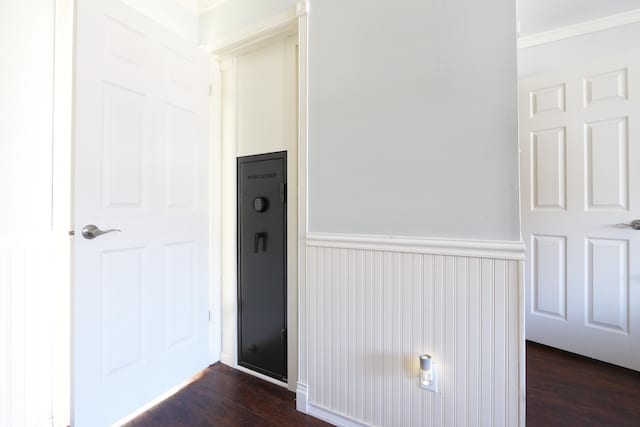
[
  {"x": 210, "y": 90},
  {"x": 283, "y": 192},
  {"x": 209, "y": 315}
]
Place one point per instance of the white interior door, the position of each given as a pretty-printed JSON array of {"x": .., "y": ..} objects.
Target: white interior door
[
  {"x": 140, "y": 323},
  {"x": 580, "y": 142}
]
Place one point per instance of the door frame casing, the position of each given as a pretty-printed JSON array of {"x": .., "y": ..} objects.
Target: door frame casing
[{"x": 289, "y": 23}]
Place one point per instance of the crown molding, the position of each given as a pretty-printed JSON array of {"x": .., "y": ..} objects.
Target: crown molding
[
  {"x": 587, "y": 27},
  {"x": 283, "y": 23},
  {"x": 208, "y": 5}
]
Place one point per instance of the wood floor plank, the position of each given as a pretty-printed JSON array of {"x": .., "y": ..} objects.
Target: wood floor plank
[
  {"x": 563, "y": 390},
  {"x": 223, "y": 397}
]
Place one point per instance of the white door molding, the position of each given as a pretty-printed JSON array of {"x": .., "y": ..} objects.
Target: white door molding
[
  {"x": 281, "y": 26},
  {"x": 303, "y": 205},
  {"x": 62, "y": 169}
]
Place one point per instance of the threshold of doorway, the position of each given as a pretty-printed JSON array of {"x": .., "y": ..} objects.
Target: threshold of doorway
[{"x": 261, "y": 376}]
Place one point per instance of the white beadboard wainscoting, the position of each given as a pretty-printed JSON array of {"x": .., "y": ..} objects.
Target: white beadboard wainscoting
[
  {"x": 26, "y": 334},
  {"x": 374, "y": 304}
]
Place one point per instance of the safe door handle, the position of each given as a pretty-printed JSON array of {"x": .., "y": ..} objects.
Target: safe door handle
[
  {"x": 91, "y": 231},
  {"x": 635, "y": 224},
  {"x": 257, "y": 238}
]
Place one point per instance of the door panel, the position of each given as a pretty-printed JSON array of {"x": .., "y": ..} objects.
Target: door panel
[
  {"x": 580, "y": 179},
  {"x": 141, "y": 166},
  {"x": 262, "y": 264}
]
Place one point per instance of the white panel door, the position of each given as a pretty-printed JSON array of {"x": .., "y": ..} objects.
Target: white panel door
[
  {"x": 580, "y": 179},
  {"x": 140, "y": 322}
]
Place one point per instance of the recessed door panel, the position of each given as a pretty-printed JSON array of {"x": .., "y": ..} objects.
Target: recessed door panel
[
  {"x": 606, "y": 168},
  {"x": 121, "y": 278},
  {"x": 548, "y": 169},
  {"x": 608, "y": 283},
  {"x": 262, "y": 258},
  {"x": 548, "y": 280}
]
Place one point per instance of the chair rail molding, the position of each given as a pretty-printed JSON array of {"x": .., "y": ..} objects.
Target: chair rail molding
[{"x": 512, "y": 250}]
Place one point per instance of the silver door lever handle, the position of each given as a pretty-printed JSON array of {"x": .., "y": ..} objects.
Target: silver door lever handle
[
  {"x": 634, "y": 224},
  {"x": 91, "y": 231}
]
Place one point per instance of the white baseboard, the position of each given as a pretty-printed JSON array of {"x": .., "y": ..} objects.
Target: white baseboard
[
  {"x": 228, "y": 359},
  {"x": 332, "y": 417},
  {"x": 301, "y": 398}
]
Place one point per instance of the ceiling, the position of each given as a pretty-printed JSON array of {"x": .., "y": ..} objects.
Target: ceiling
[{"x": 537, "y": 16}]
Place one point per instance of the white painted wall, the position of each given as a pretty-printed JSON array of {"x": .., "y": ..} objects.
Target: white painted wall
[
  {"x": 26, "y": 109},
  {"x": 180, "y": 16},
  {"x": 412, "y": 119},
  {"x": 572, "y": 51},
  {"x": 34, "y": 212}
]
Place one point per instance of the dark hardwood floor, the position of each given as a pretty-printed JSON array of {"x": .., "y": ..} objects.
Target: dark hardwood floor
[
  {"x": 563, "y": 390},
  {"x": 226, "y": 397}
]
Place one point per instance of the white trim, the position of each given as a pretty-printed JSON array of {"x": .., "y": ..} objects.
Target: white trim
[
  {"x": 608, "y": 22},
  {"x": 215, "y": 211},
  {"x": 465, "y": 248},
  {"x": 333, "y": 417},
  {"x": 302, "y": 398},
  {"x": 154, "y": 402},
  {"x": 303, "y": 137},
  {"x": 284, "y": 25},
  {"x": 261, "y": 376},
  {"x": 63, "y": 125},
  {"x": 522, "y": 402},
  {"x": 303, "y": 7},
  {"x": 276, "y": 26},
  {"x": 228, "y": 359}
]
